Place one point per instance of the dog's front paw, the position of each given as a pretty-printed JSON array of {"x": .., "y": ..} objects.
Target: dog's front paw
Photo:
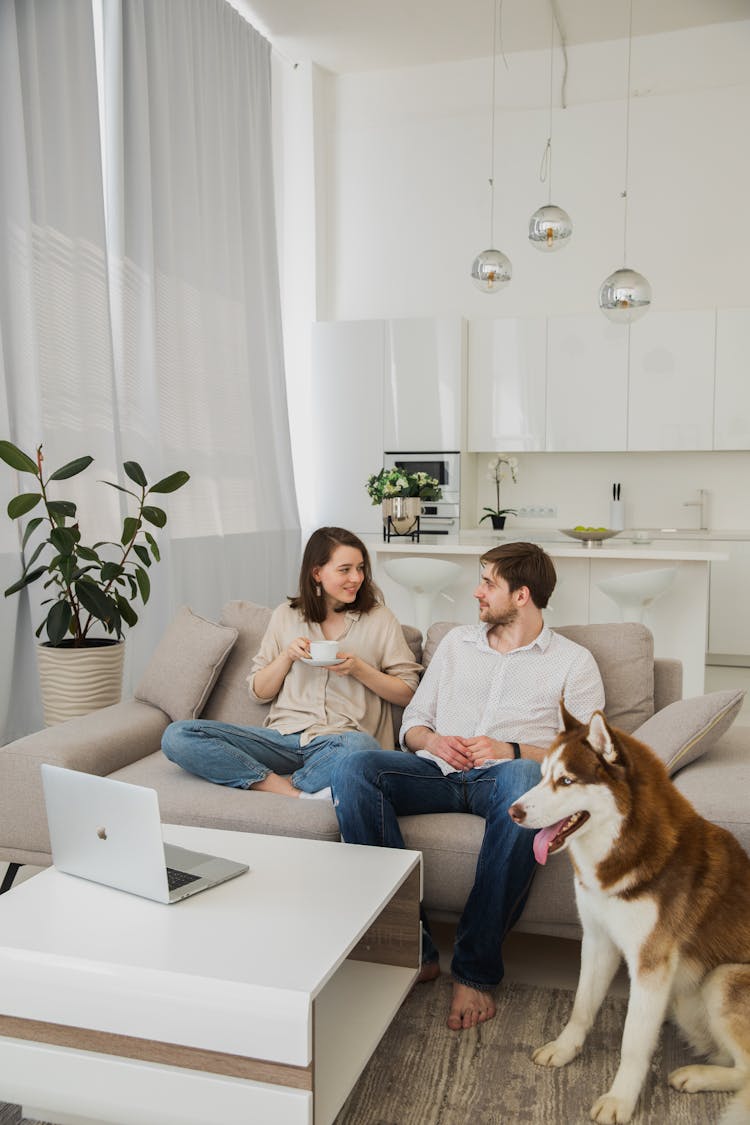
[
  {"x": 611, "y": 1111},
  {"x": 556, "y": 1053}
]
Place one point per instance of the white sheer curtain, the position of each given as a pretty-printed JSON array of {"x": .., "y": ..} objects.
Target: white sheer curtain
[{"x": 155, "y": 337}]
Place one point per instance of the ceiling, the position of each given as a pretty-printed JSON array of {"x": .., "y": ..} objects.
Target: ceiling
[{"x": 355, "y": 35}]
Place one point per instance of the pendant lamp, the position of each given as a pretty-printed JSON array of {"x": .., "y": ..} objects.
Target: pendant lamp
[
  {"x": 625, "y": 296},
  {"x": 491, "y": 270},
  {"x": 550, "y": 227}
]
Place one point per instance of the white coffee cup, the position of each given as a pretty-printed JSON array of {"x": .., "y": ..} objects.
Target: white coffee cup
[
  {"x": 640, "y": 535},
  {"x": 324, "y": 650}
]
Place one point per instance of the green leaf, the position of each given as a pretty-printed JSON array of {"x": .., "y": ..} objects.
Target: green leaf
[
  {"x": 26, "y": 580},
  {"x": 72, "y": 469},
  {"x": 17, "y": 459},
  {"x": 40, "y": 547},
  {"x": 58, "y": 621},
  {"x": 110, "y": 571},
  {"x": 89, "y": 554},
  {"x": 157, "y": 516},
  {"x": 171, "y": 483},
  {"x": 68, "y": 568},
  {"x": 153, "y": 545},
  {"x": 31, "y": 527},
  {"x": 63, "y": 540},
  {"x": 144, "y": 584},
  {"x": 61, "y": 508},
  {"x": 94, "y": 601},
  {"x": 142, "y": 554},
  {"x": 22, "y": 504},
  {"x": 119, "y": 488},
  {"x": 136, "y": 473},
  {"x": 128, "y": 614},
  {"x": 130, "y": 527}
]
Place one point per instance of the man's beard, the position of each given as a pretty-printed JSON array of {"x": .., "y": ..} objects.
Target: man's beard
[{"x": 503, "y": 619}]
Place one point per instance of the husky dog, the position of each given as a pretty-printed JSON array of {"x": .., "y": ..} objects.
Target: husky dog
[{"x": 661, "y": 886}]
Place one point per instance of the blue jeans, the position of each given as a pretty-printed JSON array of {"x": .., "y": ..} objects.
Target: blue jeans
[
  {"x": 241, "y": 756},
  {"x": 371, "y": 792}
]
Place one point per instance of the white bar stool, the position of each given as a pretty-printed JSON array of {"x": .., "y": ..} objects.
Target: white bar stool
[
  {"x": 424, "y": 578},
  {"x": 634, "y": 593}
]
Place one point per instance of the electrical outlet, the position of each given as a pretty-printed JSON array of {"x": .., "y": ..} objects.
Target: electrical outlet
[{"x": 542, "y": 511}]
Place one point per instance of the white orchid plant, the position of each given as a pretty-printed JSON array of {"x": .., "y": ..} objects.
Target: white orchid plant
[{"x": 497, "y": 471}]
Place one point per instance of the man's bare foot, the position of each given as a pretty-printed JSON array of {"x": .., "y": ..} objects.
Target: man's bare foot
[
  {"x": 428, "y": 972},
  {"x": 469, "y": 1007},
  {"x": 275, "y": 783}
]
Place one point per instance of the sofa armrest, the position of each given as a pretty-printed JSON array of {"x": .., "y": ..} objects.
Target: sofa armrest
[
  {"x": 667, "y": 682},
  {"x": 99, "y": 743}
]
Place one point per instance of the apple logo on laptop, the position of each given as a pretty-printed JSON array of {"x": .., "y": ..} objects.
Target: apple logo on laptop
[{"x": 102, "y": 833}]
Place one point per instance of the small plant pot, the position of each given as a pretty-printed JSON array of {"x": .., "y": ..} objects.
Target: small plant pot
[{"x": 498, "y": 522}]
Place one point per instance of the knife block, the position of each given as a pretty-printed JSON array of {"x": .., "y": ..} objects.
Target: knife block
[{"x": 616, "y": 515}]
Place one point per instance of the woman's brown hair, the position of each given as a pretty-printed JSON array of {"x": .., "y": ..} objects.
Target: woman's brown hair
[{"x": 318, "y": 550}]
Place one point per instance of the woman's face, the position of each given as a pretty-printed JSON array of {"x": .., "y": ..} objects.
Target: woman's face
[{"x": 342, "y": 575}]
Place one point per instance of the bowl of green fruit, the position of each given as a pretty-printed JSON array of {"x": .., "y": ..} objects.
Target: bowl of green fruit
[{"x": 589, "y": 536}]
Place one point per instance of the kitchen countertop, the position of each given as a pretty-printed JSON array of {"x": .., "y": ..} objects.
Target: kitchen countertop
[{"x": 688, "y": 549}]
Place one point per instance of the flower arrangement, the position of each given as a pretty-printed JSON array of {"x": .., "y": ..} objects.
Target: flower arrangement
[
  {"x": 496, "y": 473},
  {"x": 390, "y": 483}
]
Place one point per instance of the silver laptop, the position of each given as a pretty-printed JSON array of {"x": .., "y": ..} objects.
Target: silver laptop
[{"x": 110, "y": 832}]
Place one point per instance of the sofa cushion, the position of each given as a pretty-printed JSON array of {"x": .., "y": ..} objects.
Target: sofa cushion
[
  {"x": 230, "y": 700},
  {"x": 624, "y": 654},
  {"x": 688, "y": 728},
  {"x": 184, "y": 668}
]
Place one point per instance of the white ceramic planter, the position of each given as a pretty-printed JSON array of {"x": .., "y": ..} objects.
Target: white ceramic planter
[{"x": 75, "y": 681}]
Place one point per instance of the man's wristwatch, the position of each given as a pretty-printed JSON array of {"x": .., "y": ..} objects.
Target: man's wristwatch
[{"x": 516, "y": 749}]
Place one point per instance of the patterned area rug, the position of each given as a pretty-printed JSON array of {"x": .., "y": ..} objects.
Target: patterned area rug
[{"x": 424, "y": 1074}]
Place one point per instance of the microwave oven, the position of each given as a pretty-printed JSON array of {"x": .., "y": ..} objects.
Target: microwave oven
[{"x": 438, "y": 517}]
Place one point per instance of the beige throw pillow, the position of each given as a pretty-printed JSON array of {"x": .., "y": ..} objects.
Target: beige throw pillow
[
  {"x": 684, "y": 730},
  {"x": 185, "y": 666},
  {"x": 230, "y": 701}
]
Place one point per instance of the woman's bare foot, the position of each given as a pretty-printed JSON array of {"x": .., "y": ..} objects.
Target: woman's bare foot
[
  {"x": 275, "y": 783},
  {"x": 429, "y": 971},
  {"x": 469, "y": 1007}
]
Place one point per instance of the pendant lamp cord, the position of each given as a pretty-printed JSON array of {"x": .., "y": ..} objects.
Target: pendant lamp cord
[
  {"x": 495, "y": 6},
  {"x": 627, "y": 141},
  {"x": 545, "y": 167}
]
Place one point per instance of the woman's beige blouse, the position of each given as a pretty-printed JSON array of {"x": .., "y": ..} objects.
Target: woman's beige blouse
[{"x": 316, "y": 701}]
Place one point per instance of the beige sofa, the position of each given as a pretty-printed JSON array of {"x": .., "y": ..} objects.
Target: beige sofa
[{"x": 200, "y": 668}]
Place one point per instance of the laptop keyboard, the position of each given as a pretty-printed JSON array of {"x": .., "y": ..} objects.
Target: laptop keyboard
[{"x": 177, "y": 879}]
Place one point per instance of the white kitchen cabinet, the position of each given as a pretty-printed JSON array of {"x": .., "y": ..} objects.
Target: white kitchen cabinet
[
  {"x": 424, "y": 384},
  {"x": 732, "y": 418},
  {"x": 346, "y": 421},
  {"x": 507, "y": 384},
  {"x": 671, "y": 401},
  {"x": 729, "y": 603},
  {"x": 587, "y": 384}
]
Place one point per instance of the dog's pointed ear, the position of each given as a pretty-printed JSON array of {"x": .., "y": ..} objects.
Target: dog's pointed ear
[
  {"x": 567, "y": 721},
  {"x": 599, "y": 738}
]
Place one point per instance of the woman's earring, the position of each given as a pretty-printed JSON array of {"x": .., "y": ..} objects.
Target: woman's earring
[{"x": 318, "y": 590}]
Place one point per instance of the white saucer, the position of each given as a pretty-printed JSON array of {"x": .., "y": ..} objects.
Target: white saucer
[
  {"x": 641, "y": 542},
  {"x": 322, "y": 663}
]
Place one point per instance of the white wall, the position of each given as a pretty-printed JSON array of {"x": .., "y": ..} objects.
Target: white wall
[{"x": 402, "y": 207}]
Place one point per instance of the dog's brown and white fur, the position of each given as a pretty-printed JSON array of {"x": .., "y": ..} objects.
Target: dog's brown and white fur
[{"x": 661, "y": 886}]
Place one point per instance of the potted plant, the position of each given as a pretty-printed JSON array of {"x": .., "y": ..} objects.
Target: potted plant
[
  {"x": 92, "y": 589},
  {"x": 400, "y": 495},
  {"x": 496, "y": 473}
]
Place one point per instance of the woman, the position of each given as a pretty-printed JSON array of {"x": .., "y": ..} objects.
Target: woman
[{"x": 317, "y": 713}]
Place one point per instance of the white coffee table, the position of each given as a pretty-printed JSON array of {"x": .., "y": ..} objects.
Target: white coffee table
[{"x": 257, "y": 1001}]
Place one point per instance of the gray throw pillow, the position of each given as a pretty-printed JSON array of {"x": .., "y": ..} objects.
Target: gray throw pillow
[
  {"x": 184, "y": 668},
  {"x": 684, "y": 730}
]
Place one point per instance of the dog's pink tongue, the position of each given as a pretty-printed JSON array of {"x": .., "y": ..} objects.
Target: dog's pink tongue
[{"x": 543, "y": 839}]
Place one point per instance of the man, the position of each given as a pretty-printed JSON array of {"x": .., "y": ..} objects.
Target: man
[{"x": 481, "y": 720}]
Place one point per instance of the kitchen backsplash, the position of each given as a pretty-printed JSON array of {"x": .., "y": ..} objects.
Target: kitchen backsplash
[{"x": 653, "y": 489}]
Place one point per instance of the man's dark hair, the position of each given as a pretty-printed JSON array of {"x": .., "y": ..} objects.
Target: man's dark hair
[{"x": 523, "y": 564}]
